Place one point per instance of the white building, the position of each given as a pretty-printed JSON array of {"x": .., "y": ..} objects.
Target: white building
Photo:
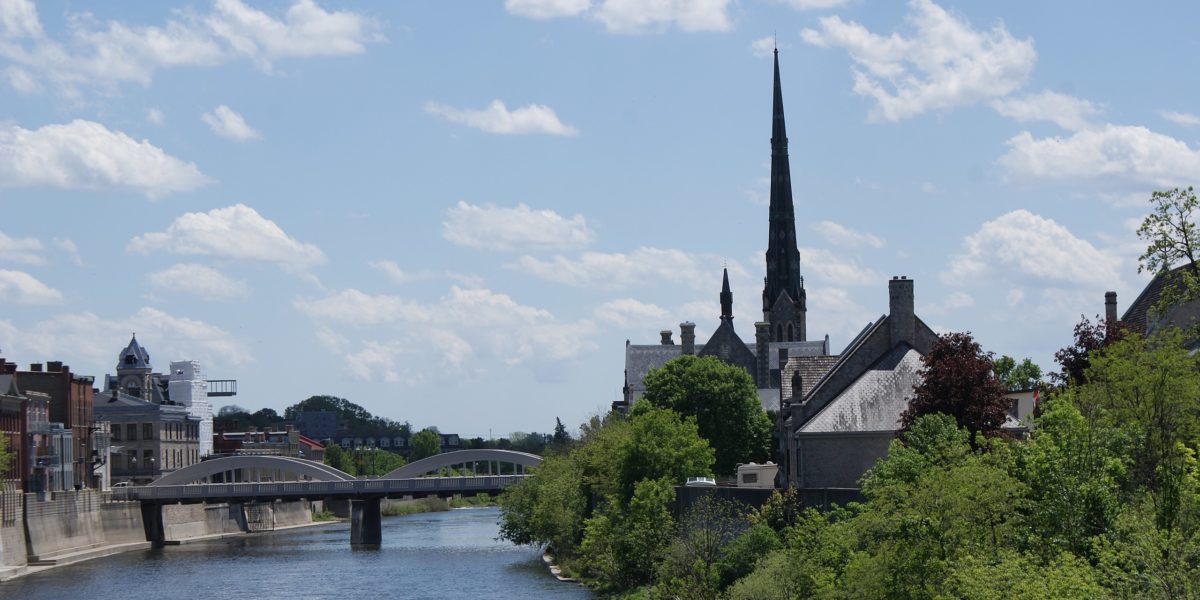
[{"x": 187, "y": 386}]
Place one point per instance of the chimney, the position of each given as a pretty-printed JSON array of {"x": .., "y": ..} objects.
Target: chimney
[
  {"x": 666, "y": 337},
  {"x": 902, "y": 322},
  {"x": 7, "y": 368},
  {"x": 54, "y": 366},
  {"x": 687, "y": 337},
  {"x": 762, "y": 347},
  {"x": 35, "y": 368},
  {"x": 1110, "y": 308}
]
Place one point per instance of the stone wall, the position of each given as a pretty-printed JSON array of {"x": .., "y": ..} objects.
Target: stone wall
[
  {"x": 186, "y": 521},
  {"x": 838, "y": 460},
  {"x": 75, "y": 521},
  {"x": 12, "y": 529}
]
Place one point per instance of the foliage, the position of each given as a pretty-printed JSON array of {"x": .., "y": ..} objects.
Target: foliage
[
  {"x": 957, "y": 380},
  {"x": 1074, "y": 360},
  {"x": 1010, "y": 575},
  {"x": 1170, "y": 231},
  {"x": 356, "y": 419},
  {"x": 425, "y": 443},
  {"x": 369, "y": 462},
  {"x": 622, "y": 539},
  {"x": 723, "y": 400},
  {"x": 662, "y": 445},
  {"x": 6, "y": 456},
  {"x": 1016, "y": 376},
  {"x": 561, "y": 439}
]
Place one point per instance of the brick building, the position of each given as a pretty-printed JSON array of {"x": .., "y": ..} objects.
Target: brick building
[{"x": 71, "y": 405}]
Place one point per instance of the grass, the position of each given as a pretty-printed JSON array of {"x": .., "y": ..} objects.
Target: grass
[
  {"x": 323, "y": 515},
  {"x": 472, "y": 501}
]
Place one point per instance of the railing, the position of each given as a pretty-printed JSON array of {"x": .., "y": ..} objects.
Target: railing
[{"x": 361, "y": 487}]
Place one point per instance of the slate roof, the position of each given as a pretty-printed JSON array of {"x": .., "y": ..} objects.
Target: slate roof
[
  {"x": 1136, "y": 317},
  {"x": 875, "y": 401},
  {"x": 640, "y": 358},
  {"x": 141, "y": 358},
  {"x": 8, "y": 386},
  {"x": 812, "y": 369},
  {"x": 809, "y": 348}
]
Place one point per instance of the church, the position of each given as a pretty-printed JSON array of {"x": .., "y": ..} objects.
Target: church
[{"x": 835, "y": 413}]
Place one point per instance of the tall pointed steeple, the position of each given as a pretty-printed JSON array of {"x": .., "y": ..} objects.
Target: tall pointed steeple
[
  {"x": 783, "y": 258},
  {"x": 726, "y": 298}
]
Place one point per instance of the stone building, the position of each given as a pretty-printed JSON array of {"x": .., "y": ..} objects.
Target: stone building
[
  {"x": 783, "y": 332},
  {"x": 149, "y": 439}
]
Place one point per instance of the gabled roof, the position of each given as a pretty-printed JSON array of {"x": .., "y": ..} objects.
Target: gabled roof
[
  {"x": 1137, "y": 316},
  {"x": 876, "y": 399},
  {"x": 8, "y": 386},
  {"x": 812, "y": 369}
]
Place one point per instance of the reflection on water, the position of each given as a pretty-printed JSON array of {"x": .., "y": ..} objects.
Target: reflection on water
[{"x": 434, "y": 555}]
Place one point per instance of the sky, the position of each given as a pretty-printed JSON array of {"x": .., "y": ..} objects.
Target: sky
[{"x": 456, "y": 213}]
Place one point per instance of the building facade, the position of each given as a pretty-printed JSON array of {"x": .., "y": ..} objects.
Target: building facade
[
  {"x": 148, "y": 439},
  {"x": 70, "y": 404}
]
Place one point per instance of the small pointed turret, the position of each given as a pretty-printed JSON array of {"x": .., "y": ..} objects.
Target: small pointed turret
[{"x": 726, "y": 298}]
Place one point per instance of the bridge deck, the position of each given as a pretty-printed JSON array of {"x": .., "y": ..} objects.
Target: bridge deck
[{"x": 359, "y": 488}]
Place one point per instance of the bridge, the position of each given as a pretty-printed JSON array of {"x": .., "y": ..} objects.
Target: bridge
[{"x": 241, "y": 479}]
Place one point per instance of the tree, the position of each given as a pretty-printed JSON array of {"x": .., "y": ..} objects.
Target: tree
[
  {"x": 1016, "y": 376},
  {"x": 724, "y": 402},
  {"x": 957, "y": 379},
  {"x": 561, "y": 439},
  {"x": 425, "y": 443},
  {"x": 231, "y": 409},
  {"x": 5, "y": 456},
  {"x": 1074, "y": 360},
  {"x": 662, "y": 445}
]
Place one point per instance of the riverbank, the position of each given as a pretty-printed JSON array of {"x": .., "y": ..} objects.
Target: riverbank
[
  {"x": 399, "y": 508},
  {"x": 73, "y": 527}
]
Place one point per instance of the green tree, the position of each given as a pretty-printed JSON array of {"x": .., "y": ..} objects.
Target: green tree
[
  {"x": 1170, "y": 231},
  {"x": 6, "y": 456},
  {"x": 561, "y": 439},
  {"x": 339, "y": 459},
  {"x": 621, "y": 541},
  {"x": 1016, "y": 376},
  {"x": 724, "y": 402},
  {"x": 662, "y": 445},
  {"x": 425, "y": 443},
  {"x": 957, "y": 379}
]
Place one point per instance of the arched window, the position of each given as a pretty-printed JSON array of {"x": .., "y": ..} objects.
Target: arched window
[
  {"x": 779, "y": 333},
  {"x": 790, "y": 332}
]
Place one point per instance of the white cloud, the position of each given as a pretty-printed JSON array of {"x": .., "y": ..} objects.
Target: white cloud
[
  {"x": 467, "y": 324},
  {"x": 395, "y": 274},
  {"x": 836, "y": 269},
  {"x": 630, "y": 314},
  {"x": 546, "y": 9},
  {"x": 236, "y": 232},
  {"x": 491, "y": 227},
  {"x": 496, "y": 118},
  {"x": 616, "y": 270},
  {"x": 957, "y": 300},
  {"x": 1022, "y": 248},
  {"x": 94, "y": 341},
  {"x": 840, "y": 314},
  {"x": 84, "y": 155},
  {"x": 228, "y": 124},
  {"x": 1068, "y": 112},
  {"x": 944, "y": 64},
  {"x": 107, "y": 54},
  {"x": 198, "y": 280},
  {"x": 22, "y": 288},
  {"x": 840, "y": 235},
  {"x": 633, "y": 16},
  {"x": 69, "y": 247},
  {"x": 763, "y": 47},
  {"x": 154, "y": 116},
  {"x": 21, "y": 250},
  {"x": 814, "y": 4},
  {"x": 1180, "y": 118},
  {"x": 1123, "y": 153}
]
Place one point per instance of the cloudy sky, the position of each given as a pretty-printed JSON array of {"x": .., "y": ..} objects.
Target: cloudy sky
[{"x": 455, "y": 213}]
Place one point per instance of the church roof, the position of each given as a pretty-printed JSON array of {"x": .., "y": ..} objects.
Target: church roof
[
  {"x": 876, "y": 399},
  {"x": 811, "y": 368},
  {"x": 134, "y": 356}
]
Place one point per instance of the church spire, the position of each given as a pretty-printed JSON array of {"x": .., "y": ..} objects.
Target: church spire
[
  {"x": 726, "y": 298},
  {"x": 783, "y": 257}
]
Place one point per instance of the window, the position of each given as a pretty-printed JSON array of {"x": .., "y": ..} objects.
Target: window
[
  {"x": 116, "y": 433},
  {"x": 749, "y": 477},
  {"x": 131, "y": 432},
  {"x": 789, "y": 330},
  {"x": 147, "y": 431},
  {"x": 147, "y": 459}
]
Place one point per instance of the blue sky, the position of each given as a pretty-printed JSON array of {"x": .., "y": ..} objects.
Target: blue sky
[{"x": 455, "y": 213}]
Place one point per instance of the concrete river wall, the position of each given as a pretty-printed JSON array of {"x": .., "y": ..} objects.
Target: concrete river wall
[{"x": 72, "y": 526}]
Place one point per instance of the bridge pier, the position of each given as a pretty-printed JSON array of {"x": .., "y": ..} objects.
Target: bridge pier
[
  {"x": 152, "y": 522},
  {"x": 366, "y": 522}
]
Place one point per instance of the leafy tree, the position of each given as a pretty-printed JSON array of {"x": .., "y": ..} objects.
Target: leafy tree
[
  {"x": 1074, "y": 360},
  {"x": 1016, "y": 376},
  {"x": 339, "y": 459},
  {"x": 6, "y": 456},
  {"x": 724, "y": 402},
  {"x": 1170, "y": 230},
  {"x": 561, "y": 439},
  {"x": 957, "y": 379},
  {"x": 425, "y": 443},
  {"x": 662, "y": 445},
  {"x": 622, "y": 539}
]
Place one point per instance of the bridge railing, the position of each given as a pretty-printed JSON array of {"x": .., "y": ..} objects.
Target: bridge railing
[{"x": 360, "y": 487}]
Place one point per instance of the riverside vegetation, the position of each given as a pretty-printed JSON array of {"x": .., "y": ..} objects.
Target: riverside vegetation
[{"x": 1101, "y": 501}]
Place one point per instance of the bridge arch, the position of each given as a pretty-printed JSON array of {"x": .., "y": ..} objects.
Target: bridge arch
[
  {"x": 284, "y": 465},
  {"x": 458, "y": 457}
]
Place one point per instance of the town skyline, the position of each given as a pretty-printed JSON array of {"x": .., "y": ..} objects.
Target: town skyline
[{"x": 462, "y": 230}]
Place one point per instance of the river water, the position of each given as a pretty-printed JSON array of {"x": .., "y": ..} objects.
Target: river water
[{"x": 450, "y": 554}]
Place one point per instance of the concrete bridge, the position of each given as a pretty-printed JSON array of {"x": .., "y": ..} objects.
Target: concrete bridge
[{"x": 270, "y": 478}]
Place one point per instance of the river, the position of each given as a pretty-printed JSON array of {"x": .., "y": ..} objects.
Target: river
[{"x": 450, "y": 554}]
